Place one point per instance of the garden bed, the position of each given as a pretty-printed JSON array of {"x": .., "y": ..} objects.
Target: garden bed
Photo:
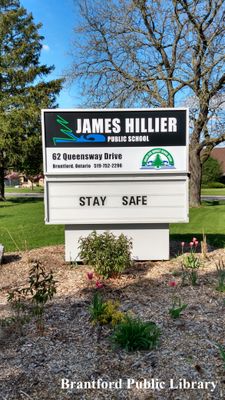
[{"x": 33, "y": 366}]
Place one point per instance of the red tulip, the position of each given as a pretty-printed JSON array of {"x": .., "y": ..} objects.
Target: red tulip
[
  {"x": 90, "y": 275},
  {"x": 172, "y": 283},
  {"x": 99, "y": 285}
]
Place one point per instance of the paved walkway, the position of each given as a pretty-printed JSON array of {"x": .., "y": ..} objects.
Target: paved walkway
[{"x": 212, "y": 198}]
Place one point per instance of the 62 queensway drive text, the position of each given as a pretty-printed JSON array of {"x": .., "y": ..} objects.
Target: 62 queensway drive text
[{"x": 92, "y": 156}]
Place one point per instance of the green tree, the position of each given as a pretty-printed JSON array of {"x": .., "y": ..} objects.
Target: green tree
[
  {"x": 157, "y": 162},
  {"x": 211, "y": 171},
  {"x": 155, "y": 53},
  {"x": 24, "y": 88},
  {"x": 31, "y": 163}
]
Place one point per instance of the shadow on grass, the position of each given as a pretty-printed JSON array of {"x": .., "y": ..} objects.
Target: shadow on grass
[
  {"x": 24, "y": 200},
  {"x": 213, "y": 203}
]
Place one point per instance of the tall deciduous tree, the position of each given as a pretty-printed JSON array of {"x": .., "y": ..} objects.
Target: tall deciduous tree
[
  {"x": 24, "y": 89},
  {"x": 156, "y": 53}
]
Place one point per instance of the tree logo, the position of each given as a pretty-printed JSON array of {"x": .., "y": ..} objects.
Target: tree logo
[{"x": 158, "y": 159}]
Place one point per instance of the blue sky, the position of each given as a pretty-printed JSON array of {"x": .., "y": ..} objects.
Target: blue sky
[{"x": 58, "y": 18}]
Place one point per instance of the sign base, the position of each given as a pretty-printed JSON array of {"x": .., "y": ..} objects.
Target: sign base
[{"x": 150, "y": 241}]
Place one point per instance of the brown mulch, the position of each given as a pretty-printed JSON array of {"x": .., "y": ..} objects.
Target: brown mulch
[{"x": 33, "y": 366}]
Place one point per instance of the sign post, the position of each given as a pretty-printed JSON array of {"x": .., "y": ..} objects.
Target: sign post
[{"x": 118, "y": 170}]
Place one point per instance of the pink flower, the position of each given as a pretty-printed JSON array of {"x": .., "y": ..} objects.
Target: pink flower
[
  {"x": 196, "y": 243},
  {"x": 172, "y": 283},
  {"x": 90, "y": 275},
  {"x": 99, "y": 285},
  {"x": 191, "y": 244},
  {"x": 182, "y": 244},
  {"x": 194, "y": 239}
]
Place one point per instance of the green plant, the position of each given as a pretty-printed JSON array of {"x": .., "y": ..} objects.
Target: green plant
[
  {"x": 18, "y": 302},
  {"x": 177, "y": 308},
  {"x": 133, "y": 334},
  {"x": 190, "y": 264},
  {"x": 42, "y": 287},
  {"x": 220, "y": 266},
  {"x": 222, "y": 352},
  {"x": 105, "y": 312},
  {"x": 97, "y": 307},
  {"x": 107, "y": 254}
]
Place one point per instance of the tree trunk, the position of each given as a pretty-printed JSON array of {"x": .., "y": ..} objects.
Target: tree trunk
[
  {"x": 195, "y": 179},
  {"x": 2, "y": 183}
]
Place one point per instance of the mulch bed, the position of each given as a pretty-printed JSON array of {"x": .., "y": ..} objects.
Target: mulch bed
[{"x": 33, "y": 365}]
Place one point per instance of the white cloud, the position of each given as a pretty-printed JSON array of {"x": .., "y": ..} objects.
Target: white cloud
[{"x": 45, "y": 47}]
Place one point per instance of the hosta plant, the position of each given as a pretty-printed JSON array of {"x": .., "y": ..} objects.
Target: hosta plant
[{"x": 134, "y": 334}]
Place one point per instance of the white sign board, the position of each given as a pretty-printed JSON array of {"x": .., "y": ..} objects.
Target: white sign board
[{"x": 114, "y": 202}]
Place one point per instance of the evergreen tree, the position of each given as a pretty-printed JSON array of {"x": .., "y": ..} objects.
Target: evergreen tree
[
  {"x": 24, "y": 89},
  {"x": 157, "y": 161}
]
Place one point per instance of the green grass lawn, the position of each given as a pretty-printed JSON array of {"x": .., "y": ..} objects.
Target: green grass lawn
[
  {"x": 22, "y": 225},
  {"x": 36, "y": 189},
  {"x": 213, "y": 192},
  {"x": 209, "y": 218}
]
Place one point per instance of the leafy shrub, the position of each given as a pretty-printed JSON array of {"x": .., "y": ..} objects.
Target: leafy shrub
[
  {"x": 42, "y": 287},
  {"x": 211, "y": 171},
  {"x": 107, "y": 254},
  {"x": 105, "y": 312},
  {"x": 133, "y": 334},
  {"x": 216, "y": 185}
]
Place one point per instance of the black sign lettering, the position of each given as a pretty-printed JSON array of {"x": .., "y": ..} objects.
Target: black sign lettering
[
  {"x": 134, "y": 200},
  {"x": 92, "y": 201}
]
